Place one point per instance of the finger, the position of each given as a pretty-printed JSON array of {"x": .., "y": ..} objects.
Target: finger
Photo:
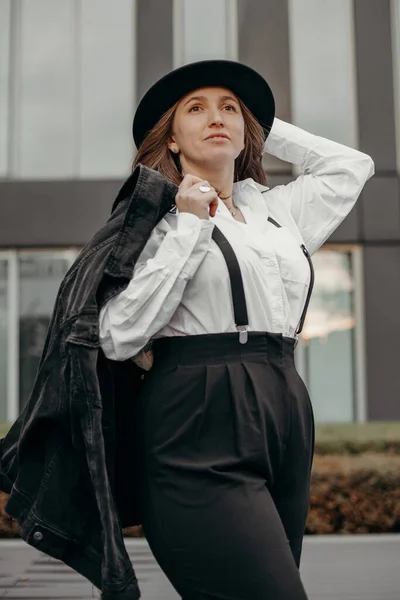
[
  {"x": 204, "y": 186},
  {"x": 213, "y": 207},
  {"x": 189, "y": 181},
  {"x": 209, "y": 197}
]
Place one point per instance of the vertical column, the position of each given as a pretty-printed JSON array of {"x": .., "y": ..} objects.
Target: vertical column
[
  {"x": 382, "y": 301},
  {"x": 154, "y": 42},
  {"x": 380, "y": 216},
  {"x": 13, "y": 339},
  {"x": 395, "y": 20},
  {"x": 4, "y": 345},
  {"x": 263, "y": 44}
]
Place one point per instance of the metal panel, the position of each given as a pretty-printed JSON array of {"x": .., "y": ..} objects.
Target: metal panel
[
  {"x": 53, "y": 213},
  {"x": 348, "y": 230},
  {"x": 381, "y": 209},
  {"x": 360, "y": 409},
  {"x": 13, "y": 339},
  {"x": 375, "y": 82},
  {"x": 395, "y": 21},
  {"x": 155, "y": 41},
  {"x": 382, "y": 301},
  {"x": 264, "y": 45}
]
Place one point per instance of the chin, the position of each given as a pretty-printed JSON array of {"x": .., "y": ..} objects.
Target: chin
[{"x": 219, "y": 155}]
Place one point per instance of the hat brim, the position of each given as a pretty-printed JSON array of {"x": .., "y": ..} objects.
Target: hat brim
[{"x": 242, "y": 80}]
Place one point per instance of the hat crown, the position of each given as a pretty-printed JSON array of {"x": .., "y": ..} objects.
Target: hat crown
[{"x": 244, "y": 82}]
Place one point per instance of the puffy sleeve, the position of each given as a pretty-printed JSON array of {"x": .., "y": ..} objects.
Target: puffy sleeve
[
  {"x": 332, "y": 178},
  {"x": 168, "y": 261}
]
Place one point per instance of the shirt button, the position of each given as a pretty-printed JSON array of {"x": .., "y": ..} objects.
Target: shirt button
[
  {"x": 38, "y": 536},
  {"x": 142, "y": 377}
]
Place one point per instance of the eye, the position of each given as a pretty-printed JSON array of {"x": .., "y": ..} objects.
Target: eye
[
  {"x": 193, "y": 108},
  {"x": 230, "y": 107}
]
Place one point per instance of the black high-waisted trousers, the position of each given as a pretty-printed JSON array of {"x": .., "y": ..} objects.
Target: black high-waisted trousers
[{"x": 225, "y": 436}]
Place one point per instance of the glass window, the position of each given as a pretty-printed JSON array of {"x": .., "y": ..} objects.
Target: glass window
[
  {"x": 204, "y": 30},
  {"x": 326, "y": 359},
  {"x": 40, "y": 276},
  {"x": 322, "y": 56},
  {"x": 3, "y": 338},
  {"x": 107, "y": 78},
  {"x": 5, "y": 25},
  {"x": 46, "y": 119},
  {"x": 74, "y": 88}
]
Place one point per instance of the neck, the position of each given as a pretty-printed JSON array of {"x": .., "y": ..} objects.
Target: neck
[{"x": 220, "y": 179}]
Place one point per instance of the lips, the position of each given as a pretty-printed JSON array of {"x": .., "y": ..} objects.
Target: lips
[{"x": 217, "y": 135}]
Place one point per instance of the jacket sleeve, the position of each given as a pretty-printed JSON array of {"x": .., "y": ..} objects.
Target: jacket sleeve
[
  {"x": 332, "y": 180},
  {"x": 169, "y": 260}
]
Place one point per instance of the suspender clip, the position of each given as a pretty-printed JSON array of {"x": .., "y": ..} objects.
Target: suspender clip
[{"x": 243, "y": 335}]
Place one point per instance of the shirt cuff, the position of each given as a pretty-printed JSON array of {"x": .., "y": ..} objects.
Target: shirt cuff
[
  {"x": 201, "y": 230},
  {"x": 188, "y": 221},
  {"x": 289, "y": 143}
]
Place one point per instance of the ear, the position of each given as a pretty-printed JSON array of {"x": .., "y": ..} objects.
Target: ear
[{"x": 173, "y": 146}]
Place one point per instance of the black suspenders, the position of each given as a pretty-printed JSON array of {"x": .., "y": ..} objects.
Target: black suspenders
[
  {"x": 238, "y": 297},
  {"x": 239, "y": 300},
  {"x": 312, "y": 278}
]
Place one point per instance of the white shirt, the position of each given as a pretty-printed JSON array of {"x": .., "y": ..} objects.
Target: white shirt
[{"x": 180, "y": 284}]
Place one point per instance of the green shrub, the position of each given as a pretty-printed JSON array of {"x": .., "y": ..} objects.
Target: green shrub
[
  {"x": 358, "y": 438},
  {"x": 355, "y": 486},
  {"x": 352, "y": 438},
  {"x": 355, "y": 494},
  {"x": 4, "y": 427}
]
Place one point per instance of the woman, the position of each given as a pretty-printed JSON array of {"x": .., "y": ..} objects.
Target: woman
[{"x": 225, "y": 424}]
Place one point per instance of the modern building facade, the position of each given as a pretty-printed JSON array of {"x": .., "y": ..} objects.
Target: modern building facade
[{"x": 71, "y": 74}]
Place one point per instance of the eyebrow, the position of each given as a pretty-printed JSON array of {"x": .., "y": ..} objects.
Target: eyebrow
[{"x": 202, "y": 98}]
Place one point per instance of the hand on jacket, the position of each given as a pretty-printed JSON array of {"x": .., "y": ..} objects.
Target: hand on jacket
[{"x": 191, "y": 199}]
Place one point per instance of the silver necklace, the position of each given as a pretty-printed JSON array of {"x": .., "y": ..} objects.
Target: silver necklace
[{"x": 232, "y": 210}]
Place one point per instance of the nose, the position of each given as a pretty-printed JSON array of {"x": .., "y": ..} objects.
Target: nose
[{"x": 215, "y": 117}]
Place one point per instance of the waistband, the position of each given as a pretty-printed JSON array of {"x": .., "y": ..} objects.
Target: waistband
[{"x": 192, "y": 349}]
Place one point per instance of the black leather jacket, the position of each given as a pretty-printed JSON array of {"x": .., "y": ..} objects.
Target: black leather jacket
[{"x": 68, "y": 462}]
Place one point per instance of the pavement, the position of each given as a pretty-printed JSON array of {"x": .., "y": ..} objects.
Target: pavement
[{"x": 361, "y": 567}]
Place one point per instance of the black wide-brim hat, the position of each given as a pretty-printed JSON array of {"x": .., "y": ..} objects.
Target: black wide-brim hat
[{"x": 242, "y": 80}]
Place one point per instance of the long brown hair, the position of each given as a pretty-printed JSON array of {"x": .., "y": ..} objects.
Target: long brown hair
[{"x": 154, "y": 151}]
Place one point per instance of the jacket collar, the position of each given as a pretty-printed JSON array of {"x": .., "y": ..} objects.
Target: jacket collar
[{"x": 144, "y": 199}]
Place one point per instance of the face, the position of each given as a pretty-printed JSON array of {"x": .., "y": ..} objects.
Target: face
[{"x": 208, "y": 128}]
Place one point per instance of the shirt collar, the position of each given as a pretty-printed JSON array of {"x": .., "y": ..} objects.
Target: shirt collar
[{"x": 239, "y": 186}]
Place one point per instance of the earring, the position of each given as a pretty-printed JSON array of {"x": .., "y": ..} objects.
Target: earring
[{"x": 175, "y": 149}]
